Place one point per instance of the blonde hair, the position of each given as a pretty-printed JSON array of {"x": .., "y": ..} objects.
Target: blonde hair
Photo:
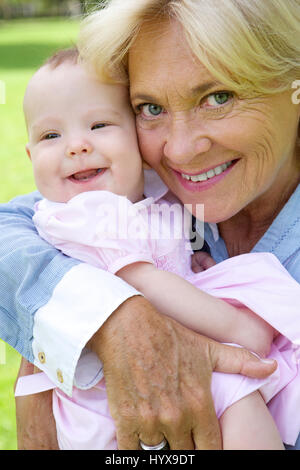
[{"x": 249, "y": 45}]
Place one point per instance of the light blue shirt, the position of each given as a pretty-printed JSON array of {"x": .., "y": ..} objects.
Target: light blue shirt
[{"x": 30, "y": 269}]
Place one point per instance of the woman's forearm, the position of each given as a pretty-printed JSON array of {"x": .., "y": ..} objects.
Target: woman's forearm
[{"x": 197, "y": 310}]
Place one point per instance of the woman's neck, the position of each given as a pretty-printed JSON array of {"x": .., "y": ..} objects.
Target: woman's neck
[{"x": 242, "y": 231}]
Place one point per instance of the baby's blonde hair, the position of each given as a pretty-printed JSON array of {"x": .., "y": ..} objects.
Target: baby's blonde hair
[
  {"x": 62, "y": 56},
  {"x": 252, "y": 46}
]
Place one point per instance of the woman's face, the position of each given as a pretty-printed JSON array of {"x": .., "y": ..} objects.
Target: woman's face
[{"x": 209, "y": 145}]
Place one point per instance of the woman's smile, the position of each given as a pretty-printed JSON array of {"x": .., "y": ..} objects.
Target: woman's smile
[{"x": 203, "y": 181}]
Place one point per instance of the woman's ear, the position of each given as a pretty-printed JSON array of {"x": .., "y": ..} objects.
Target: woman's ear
[
  {"x": 28, "y": 151},
  {"x": 146, "y": 166}
]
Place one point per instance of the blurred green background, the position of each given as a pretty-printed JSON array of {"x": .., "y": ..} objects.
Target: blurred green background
[{"x": 24, "y": 45}]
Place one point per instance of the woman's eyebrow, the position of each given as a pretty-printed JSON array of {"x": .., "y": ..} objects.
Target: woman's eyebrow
[
  {"x": 201, "y": 89},
  {"x": 142, "y": 97},
  {"x": 197, "y": 90}
]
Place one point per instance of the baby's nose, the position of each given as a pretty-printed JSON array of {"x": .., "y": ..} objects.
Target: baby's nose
[{"x": 79, "y": 148}]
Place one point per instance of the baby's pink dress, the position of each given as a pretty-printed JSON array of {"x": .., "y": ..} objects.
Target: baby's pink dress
[{"x": 110, "y": 232}]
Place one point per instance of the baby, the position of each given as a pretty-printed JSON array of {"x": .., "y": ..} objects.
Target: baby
[{"x": 100, "y": 208}]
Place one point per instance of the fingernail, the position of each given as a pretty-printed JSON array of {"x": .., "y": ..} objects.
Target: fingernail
[
  {"x": 263, "y": 359},
  {"x": 267, "y": 361}
]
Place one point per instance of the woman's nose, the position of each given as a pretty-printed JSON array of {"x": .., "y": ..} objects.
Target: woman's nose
[
  {"x": 184, "y": 142},
  {"x": 79, "y": 148}
]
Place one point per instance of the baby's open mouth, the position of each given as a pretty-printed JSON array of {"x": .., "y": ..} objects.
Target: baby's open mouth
[{"x": 87, "y": 174}]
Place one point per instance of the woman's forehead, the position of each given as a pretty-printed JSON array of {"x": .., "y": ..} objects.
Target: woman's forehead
[
  {"x": 161, "y": 59},
  {"x": 156, "y": 42}
]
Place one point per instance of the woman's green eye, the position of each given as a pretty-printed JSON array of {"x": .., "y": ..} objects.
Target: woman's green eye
[
  {"x": 154, "y": 109},
  {"x": 151, "y": 110},
  {"x": 217, "y": 99}
]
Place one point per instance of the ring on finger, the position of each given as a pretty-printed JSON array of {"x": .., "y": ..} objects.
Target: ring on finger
[{"x": 163, "y": 445}]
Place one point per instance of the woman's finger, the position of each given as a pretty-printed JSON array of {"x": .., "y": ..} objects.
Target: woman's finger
[
  {"x": 127, "y": 441},
  {"x": 235, "y": 360},
  {"x": 206, "y": 432}
]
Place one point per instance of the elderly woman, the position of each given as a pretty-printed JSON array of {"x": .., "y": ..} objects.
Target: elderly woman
[{"x": 217, "y": 117}]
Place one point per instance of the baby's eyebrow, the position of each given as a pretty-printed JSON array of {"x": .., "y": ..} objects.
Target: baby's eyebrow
[
  {"x": 104, "y": 111},
  {"x": 45, "y": 122}
]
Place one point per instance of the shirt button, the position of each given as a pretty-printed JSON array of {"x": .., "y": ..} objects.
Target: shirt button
[
  {"x": 42, "y": 357},
  {"x": 59, "y": 376}
]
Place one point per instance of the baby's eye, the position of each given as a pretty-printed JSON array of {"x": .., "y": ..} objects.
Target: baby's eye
[
  {"x": 150, "y": 110},
  {"x": 99, "y": 125},
  {"x": 50, "y": 135},
  {"x": 217, "y": 99}
]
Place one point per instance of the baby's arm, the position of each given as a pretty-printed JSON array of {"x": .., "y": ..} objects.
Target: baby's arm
[{"x": 197, "y": 310}]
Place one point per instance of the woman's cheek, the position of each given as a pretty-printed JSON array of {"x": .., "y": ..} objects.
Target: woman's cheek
[{"x": 151, "y": 145}]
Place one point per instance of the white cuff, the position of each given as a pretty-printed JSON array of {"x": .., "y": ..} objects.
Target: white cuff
[{"x": 81, "y": 302}]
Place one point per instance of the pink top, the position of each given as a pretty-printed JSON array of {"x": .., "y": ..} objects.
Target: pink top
[{"x": 110, "y": 232}]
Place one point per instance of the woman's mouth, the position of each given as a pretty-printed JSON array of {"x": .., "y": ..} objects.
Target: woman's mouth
[
  {"x": 205, "y": 179},
  {"x": 87, "y": 175}
]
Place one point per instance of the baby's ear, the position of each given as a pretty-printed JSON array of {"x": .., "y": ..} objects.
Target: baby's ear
[
  {"x": 146, "y": 166},
  {"x": 28, "y": 151}
]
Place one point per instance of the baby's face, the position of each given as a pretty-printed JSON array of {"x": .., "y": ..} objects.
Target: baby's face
[{"x": 82, "y": 135}]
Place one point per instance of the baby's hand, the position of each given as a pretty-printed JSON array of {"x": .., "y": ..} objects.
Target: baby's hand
[{"x": 201, "y": 261}]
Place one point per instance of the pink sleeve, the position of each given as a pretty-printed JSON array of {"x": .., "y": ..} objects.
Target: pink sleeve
[{"x": 97, "y": 227}]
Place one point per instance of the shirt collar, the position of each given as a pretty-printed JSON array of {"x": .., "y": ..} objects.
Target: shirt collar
[
  {"x": 154, "y": 187},
  {"x": 214, "y": 231},
  {"x": 282, "y": 237}
]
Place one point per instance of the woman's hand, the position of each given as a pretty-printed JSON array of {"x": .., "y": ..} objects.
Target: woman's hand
[
  {"x": 158, "y": 376},
  {"x": 36, "y": 428}
]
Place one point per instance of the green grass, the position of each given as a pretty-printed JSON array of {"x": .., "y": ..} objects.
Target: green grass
[
  {"x": 24, "y": 45},
  {"x": 9, "y": 364}
]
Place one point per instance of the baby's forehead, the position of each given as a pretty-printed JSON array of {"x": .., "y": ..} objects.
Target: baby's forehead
[
  {"x": 46, "y": 82},
  {"x": 50, "y": 88},
  {"x": 41, "y": 79},
  {"x": 49, "y": 78},
  {"x": 37, "y": 86}
]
